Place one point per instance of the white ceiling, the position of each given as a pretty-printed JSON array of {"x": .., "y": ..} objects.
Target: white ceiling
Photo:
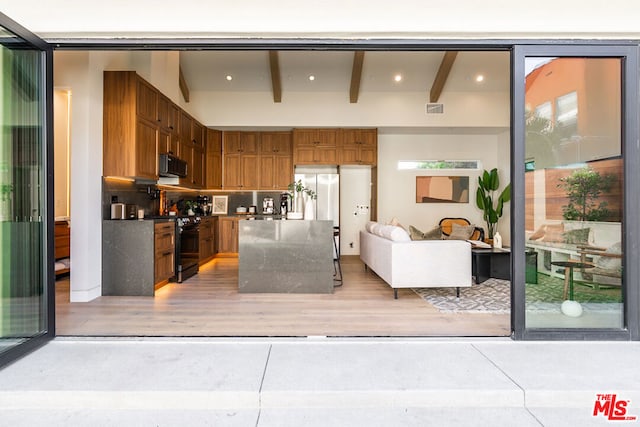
[{"x": 207, "y": 71}]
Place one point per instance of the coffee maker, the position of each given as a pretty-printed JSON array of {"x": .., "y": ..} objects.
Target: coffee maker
[
  {"x": 267, "y": 206},
  {"x": 284, "y": 203}
]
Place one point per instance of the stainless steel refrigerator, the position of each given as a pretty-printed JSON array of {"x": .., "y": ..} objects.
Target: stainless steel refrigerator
[{"x": 326, "y": 183}]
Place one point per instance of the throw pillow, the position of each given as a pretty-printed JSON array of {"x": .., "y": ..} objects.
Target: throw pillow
[
  {"x": 611, "y": 263},
  {"x": 394, "y": 221},
  {"x": 577, "y": 237},
  {"x": 461, "y": 232},
  {"x": 369, "y": 226},
  {"x": 395, "y": 233},
  {"x": 433, "y": 234},
  {"x": 553, "y": 233},
  {"x": 539, "y": 233}
]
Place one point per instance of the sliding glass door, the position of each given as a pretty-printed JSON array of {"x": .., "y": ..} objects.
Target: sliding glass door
[
  {"x": 26, "y": 317},
  {"x": 574, "y": 163}
]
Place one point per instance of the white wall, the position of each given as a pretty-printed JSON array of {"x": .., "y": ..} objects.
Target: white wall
[
  {"x": 330, "y": 18},
  {"x": 355, "y": 193},
  {"x": 374, "y": 109},
  {"x": 82, "y": 74},
  {"x": 397, "y": 188}
]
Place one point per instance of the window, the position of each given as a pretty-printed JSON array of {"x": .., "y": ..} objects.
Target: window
[{"x": 438, "y": 164}]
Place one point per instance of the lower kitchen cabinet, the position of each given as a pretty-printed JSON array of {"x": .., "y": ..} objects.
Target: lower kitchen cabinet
[
  {"x": 136, "y": 256},
  {"x": 207, "y": 236},
  {"x": 165, "y": 253},
  {"x": 227, "y": 235}
]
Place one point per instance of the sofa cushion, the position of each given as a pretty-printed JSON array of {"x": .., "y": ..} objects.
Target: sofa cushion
[
  {"x": 394, "y": 233},
  {"x": 579, "y": 236},
  {"x": 369, "y": 226},
  {"x": 611, "y": 263},
  {"x": 539, "y": 233},
  {"x": 461, "y": 232},
  {"x": 553, "y": 233},
  {"x": 433, "y": 234},
  {"x": 394, "y": 221},
  {"x": 375, "y": 228}
]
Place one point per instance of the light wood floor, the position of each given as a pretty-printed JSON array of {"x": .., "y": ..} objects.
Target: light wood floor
[{"x": 209, "y": 304}]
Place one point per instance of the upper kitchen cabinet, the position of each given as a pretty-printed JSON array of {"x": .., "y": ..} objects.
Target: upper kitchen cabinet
[
  {"x": 236, "y": 142},
  {"x": 147, "y": 101},
  {"x": 213, "y": 163},
  {"x": 168, "y": 120},
  {"x": 130, "y": 127},
  {"x": 358, "y": 146},
  {"x": 276, "y": 160},
  {"x": 168, "y": 115},
  {"x": 192, "y": 150},
  {"x": 241, "y": 160},
  {"x": 315, "y": 147}
]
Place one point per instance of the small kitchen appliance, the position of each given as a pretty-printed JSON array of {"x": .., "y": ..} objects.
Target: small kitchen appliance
[
  {"x": 284, "y": 203},
  {"x": 267, "y": 206},
  {"x": 118, "y": 211}
]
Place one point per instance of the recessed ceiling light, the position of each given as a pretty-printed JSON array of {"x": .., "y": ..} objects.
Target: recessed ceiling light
[
  {"x": 479, "y": 78},
  {"x": 229, "y": 77},
  {"x": 312, "y": 77},
  {"x": 397, "y": 77}
]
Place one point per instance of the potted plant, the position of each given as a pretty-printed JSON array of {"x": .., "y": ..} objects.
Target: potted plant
[
  {"x": 296, "y": 190},
  {"x": 488, "y": 184},
  {"x": 584, "y": 186},
  {"x": 189, "y": 206}
]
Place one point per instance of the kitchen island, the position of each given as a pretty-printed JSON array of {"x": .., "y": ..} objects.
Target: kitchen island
[{"x": 285, "y": 256}]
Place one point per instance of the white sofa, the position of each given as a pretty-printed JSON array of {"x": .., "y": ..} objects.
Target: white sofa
[{"x": 404, "y": 263}]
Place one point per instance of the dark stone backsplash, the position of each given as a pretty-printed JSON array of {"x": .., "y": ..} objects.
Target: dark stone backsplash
[{"x": 141, "y": 196}]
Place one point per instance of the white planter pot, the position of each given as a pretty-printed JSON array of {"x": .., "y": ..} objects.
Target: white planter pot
[{"x": 309, "y": 209}]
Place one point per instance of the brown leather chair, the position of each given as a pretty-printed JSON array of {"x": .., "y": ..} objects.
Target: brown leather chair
[{"x": 446, "y": 225}]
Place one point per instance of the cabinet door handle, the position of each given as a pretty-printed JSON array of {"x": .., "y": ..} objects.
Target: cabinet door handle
[{"x": 167, "y": 253}]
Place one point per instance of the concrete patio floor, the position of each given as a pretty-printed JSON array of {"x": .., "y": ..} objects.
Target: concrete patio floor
[{"x": 318, "y": 382}]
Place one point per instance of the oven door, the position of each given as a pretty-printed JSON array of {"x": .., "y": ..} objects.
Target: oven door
[{"x": 189, "y": 252}]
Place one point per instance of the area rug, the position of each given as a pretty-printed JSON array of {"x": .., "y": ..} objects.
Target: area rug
[
  {"x": 494, "y": 296},
  {"x": 489, "y": 297}
]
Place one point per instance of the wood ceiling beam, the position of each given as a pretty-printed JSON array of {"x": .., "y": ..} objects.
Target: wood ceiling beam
[
  {"x": 356, "y": 76},
  {"x": 182, "y": 83},
  {"x": 442, "y": 75},
  {"x": 276, "y": 84}
]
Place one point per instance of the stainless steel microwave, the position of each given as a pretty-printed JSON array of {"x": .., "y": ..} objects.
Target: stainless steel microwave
[{"x": 171, "y": 166}]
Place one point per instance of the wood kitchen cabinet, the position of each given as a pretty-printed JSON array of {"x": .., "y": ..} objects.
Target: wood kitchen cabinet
[
  {"x": 241, "y": 160},
  {"x": 227, "y": 235},
  {"x": 357, "y": 146},
  {"x": 276, "y": 160},
  {"x": 168, "y": 142},
  {"x": 168, "y": 119},
  {"x": 147, "y": 101},
  {"x": 315, "y": 147},
  {"x": 207, "y": 236},
  {"x": 164, "y": 248},
  {"x": 130, "y": 126},
  {"x": 192, "y": 150},
  {"x": 137, "y": 256},
  {"x": 213, "y": 162}
]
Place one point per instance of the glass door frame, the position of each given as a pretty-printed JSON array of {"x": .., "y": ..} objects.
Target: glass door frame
[
  {"x": 46, "y": 84},
  {"x": 631, "y": 204}
]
